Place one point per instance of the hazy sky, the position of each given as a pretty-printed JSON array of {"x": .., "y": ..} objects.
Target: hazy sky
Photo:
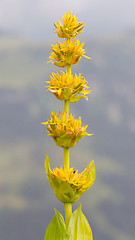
[{"x": 35, "y": 17}]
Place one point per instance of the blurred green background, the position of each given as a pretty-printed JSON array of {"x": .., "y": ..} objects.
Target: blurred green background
[{"x": 26, "y": 199}]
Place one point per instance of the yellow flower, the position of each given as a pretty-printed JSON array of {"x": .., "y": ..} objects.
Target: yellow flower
[
  {"x": 66, "y": 87},
  {"x": 69, "y": 185},
  {"x": 68, "y": 52},
  {"x": 69, "y": 27},
  {"x": 65, "y": 131}
]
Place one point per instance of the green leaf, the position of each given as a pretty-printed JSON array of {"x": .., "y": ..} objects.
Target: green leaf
[
  {"x": 63, "y": 190},
  {"x": 56, "y": 229},
  {"x": 76, "y": 99},
  {"x": 78, "y": 228}
]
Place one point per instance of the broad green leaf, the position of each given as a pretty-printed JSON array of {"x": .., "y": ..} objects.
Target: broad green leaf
[
  {"x": 56, "y": 229},
  {"x": 78, "y": 228}
]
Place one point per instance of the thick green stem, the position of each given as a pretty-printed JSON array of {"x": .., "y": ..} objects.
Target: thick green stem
[
  {"x": 68, "y": 212},
  {"x": 67, "y": 206}
]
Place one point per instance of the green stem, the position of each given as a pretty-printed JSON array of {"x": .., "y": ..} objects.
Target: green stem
[
  {"x": 69, "y": 70},
  {"x": 67, "y": 206},
  {"x": 68, "y": 212},
  {"x": 66, "y": 107},
  {"x": 66, "y": 157},
  {"x": 66, "y": 103}
]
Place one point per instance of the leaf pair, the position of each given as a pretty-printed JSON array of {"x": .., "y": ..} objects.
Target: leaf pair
[{"x": 78, "y": 228}]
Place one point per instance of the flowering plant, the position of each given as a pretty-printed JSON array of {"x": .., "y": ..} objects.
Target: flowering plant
[{"x": 67, "y": 184}]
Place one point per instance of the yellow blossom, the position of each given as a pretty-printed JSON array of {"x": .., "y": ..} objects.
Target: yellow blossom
[
  {"x": 66, "y": 87},
  {"x": 68, "y": 52},
  {"x": 69, "y": 27},
  {"x": 67, "y": 184},
  {"x": 65, "y": 131}
]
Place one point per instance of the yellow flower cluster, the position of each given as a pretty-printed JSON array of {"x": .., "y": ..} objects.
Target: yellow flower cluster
[
  {"x": 69, "y": 185},
  {"x": 65, "y": 131},
  {"x": 67, "y": 53},
  {"x": 69, "y": 27},
  {"x": 80, "y": 182},
  {"x": 66, "y": 87}
]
